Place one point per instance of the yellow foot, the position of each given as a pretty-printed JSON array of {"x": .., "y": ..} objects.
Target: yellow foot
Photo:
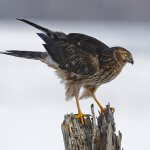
[
  {"x": 81, "y": 117},
  {"x": 104, "y": 109}
]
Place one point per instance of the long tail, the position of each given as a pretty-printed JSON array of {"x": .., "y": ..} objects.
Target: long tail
[
  {"x": 43, "y": 29},
  {"x": 49, "y": 33},
  {"x": 26, "y": 54},
  {"x": 42, "y": 56}
]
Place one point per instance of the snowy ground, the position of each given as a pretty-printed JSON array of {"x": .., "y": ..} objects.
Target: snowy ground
[{"x": 32, "y": 101}]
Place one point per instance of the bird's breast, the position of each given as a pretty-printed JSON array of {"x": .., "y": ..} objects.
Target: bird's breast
[
  {"x": 104, "y": 75},
  {"x": 109, "y": 73}
]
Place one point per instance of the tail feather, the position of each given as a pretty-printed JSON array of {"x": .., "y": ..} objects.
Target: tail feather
[
  {"x": 51, "y": 34},
  {"x": 26, "y": 54},
  {"x": 43, "y": 29},
  {"x": 44, "y": 37},
  {"x": 42, "y": 56}
]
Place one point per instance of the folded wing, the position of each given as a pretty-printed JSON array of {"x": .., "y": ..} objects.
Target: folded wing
[
  {"x": 74, "y": 52},
  {"x": 71, "y": 58}
]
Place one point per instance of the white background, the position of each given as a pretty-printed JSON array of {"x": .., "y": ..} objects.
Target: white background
[{"x": 32, "y": 101}]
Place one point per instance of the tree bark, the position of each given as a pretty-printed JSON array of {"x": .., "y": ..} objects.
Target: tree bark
[{"x": 98, "y": 133}]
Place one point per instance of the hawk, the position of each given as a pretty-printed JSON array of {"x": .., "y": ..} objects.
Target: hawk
[{"x": 81, "y": 61}]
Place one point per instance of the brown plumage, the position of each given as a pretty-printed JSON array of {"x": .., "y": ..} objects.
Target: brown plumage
[{"x": 79, "y": 60}]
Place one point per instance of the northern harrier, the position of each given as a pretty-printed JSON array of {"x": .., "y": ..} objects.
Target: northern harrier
[{"x": 79, "y": 60}]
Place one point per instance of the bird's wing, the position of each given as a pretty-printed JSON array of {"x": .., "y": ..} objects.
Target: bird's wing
[
  {"x": 88, "y": 43},
  {"x": 71, "y": 58},
  {"x": 74, "y": 52},
  {"x": 82, "y": 41}
]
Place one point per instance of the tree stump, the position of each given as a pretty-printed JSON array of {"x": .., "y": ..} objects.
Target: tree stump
[{"x": 98, "y": 133}]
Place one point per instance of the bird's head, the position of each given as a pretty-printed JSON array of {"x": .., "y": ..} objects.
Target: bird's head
[{"x": 123, "y": 55}]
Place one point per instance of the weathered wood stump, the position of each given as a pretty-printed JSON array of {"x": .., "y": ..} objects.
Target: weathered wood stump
[{"x": 96, "y": 134}]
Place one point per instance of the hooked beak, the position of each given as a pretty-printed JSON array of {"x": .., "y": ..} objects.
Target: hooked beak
[{"x": 131, "y": 61}]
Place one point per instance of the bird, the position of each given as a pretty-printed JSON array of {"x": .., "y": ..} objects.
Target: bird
[{"x": 79, "y": 60}]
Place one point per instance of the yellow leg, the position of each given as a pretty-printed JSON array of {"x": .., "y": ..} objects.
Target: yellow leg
[
  {"x": 80, "y": 115},
  {"x": 98, "y": 103}
]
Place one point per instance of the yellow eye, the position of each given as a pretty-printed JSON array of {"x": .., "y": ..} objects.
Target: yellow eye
[{"x": 126, "y": 55}]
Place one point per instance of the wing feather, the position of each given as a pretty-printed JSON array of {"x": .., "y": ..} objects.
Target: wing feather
[
  {"x": 88, "y": 43},
  {"x": 75, "y": 52},
  {"x": 71, "y": 58}
]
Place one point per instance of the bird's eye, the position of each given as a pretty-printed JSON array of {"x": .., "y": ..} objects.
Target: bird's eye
[{"x": 126, "y": 55}]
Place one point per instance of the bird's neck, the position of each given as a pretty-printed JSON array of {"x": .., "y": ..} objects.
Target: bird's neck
[{"x": 118, "y": 59}]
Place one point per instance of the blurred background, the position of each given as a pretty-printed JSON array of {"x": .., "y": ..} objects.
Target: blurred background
[{"x": 32, "y": 100}]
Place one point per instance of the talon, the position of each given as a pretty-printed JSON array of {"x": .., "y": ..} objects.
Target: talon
[
  {"x": 81, "y": 117},
  {"x": 104, "y": 109}
]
